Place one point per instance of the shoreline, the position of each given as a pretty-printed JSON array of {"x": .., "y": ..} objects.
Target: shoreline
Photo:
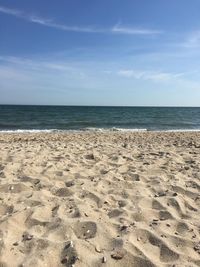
[
  {"x": 137, "y": 135},
  {"x": 100, "y": 199},
  {"x": 95, "y": 130}
]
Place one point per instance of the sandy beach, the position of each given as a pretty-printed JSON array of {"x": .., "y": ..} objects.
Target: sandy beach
[{"x": 100, "y": 199}]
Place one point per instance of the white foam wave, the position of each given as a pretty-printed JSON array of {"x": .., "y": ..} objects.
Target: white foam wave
[
  {"x": 28, "y": 131},
  {"x": 179, "y": 130},
  {"x": 93, "y": 129},
  {"x": 113, "y": 129}
]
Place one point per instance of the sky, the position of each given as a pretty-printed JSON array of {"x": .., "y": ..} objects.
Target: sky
[{"x": 108, "y": 52}]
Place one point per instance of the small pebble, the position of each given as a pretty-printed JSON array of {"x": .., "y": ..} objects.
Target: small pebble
[
  {"x": 123, "y": 227},
  {"x": 97, "y": 249},
  {"x": 64, "y": 260},
  {"x": 26, "y": 237},
  {"x": 197, "y": 248},
  {"x": 104, "y": 260},
  {"x": 117, "y": 255}
]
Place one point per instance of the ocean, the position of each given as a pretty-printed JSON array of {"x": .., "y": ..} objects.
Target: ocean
[{"x": 81, "y": 118}]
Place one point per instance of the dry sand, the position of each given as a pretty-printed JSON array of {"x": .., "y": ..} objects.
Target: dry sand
[{"x": 100, "y": 199}]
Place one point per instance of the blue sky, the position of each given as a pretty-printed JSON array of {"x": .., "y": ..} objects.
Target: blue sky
[{"x": 108, "y": 52}]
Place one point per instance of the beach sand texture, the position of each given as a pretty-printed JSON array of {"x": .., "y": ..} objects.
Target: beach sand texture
[{"x": 100, "y": 199}]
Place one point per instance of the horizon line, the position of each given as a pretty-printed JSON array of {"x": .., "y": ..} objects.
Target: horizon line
[{"x": 120, "y": 106}]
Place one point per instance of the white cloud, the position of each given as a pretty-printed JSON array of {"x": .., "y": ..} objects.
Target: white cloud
[
  {"x": 132, "y": 30},
  {"x": 50, "y": 23},
  {"x": 117, "y": 29},
  {"x": 20, "y": 67},
  {"x": 149, "y": 75},
  {"x": 9, "y": 11},
  {"x": 35, "y": 64},
  {"x": 45, "y": 21},
  {"x": 8, "y": 73},
  {"x": 131, "y": 73},
  {"x": 193, "y": 41}
]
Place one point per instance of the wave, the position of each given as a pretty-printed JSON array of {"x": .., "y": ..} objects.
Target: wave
[
  {"x": 112, "y": 129},
  {"x": 179, "y": 130},
  {"x": 93, "y": 129},
  {"x": 70, "y": 130},
  {"x": 29, "y": 131}
]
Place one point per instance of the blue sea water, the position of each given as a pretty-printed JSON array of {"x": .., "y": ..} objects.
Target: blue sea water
[{"x": 53, "y": 118}]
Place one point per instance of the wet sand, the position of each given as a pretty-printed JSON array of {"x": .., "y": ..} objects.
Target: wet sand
[{"x": 100, "y": 199}]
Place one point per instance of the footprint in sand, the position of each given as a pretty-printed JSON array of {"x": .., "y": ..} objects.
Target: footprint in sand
[
  {"x": 63, "y": 192},
  {"x": 85, "y": 230},
  {"x": 69, "y": 255},
  {"x": 13, "y": 188}
]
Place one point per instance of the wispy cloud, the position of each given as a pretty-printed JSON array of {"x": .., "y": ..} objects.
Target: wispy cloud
[
  {"x": 193, "y": 40},
  {"x": 51, "y": 24},
  {"x": 155, "y": 76},
  {"x": 116, "y": 29},
  {"x": 8, "y": 73},
  {"x": 62, "y": 67},
  {"x": 45, "y": 21},
  {"x": 38, "y": 67},
  {"x": 35, "y": 64},
  {"x": 9, "y": 11}
]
